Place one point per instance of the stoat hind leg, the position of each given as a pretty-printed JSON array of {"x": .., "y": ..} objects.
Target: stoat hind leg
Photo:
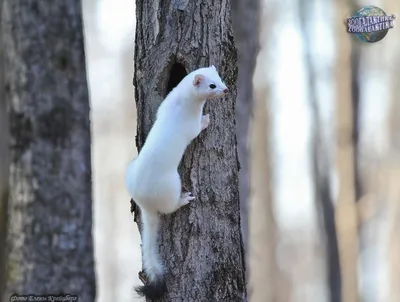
[
  {"x": 174, "y": 196},
  {"x": 186, "y": 198}
]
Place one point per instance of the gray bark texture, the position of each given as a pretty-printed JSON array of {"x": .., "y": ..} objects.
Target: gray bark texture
[
  {"x": 4, "y": 167},
  {"x": 49, "y": 241},
  {"x": 200, "y": 245}
]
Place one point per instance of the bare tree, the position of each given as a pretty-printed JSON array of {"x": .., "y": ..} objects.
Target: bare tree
[
  {"x": 393, "y": 197},
  {"x": 201, "y": 244},
  {"x": 393, "y": 193},
  {"x": 355, "y": 61},
  {"x": 49, "y": 239},
  {"x": 265, "y": 280},
  {"x": 4, "y": 167},
  {"x": 320, "y": 162},
  {"x": 264, "y": 277},
  {"x": 346, "y": 214},
  {"x": 246, "y": 14}
]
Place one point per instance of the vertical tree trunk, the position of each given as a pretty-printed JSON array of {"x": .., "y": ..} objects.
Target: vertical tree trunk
[
  {"x": 4, "y": 167},
  {"x": 49, "y": 240},
  {"x": 320, "y": 163},
  {"x": 355, "y": 61},
  {"x": 246, "y": 28},
  {"x": 346, "y": 215},
  {"x": 201, "y": 244},
  {"x": 393, "y": 191},
  {"x": 356, "y": 106},
  {"x": 264, "y": 276},
  {"x": 265, "y": 281}
]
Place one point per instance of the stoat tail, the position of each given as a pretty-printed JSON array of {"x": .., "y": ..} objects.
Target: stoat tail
[{"x": 155, "y": 287}]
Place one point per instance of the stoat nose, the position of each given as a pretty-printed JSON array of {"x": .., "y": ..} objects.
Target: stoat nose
[{"x": 226, "y": 90}]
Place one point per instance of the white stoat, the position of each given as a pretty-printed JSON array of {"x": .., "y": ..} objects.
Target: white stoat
[{"x": 152, "y": 179}]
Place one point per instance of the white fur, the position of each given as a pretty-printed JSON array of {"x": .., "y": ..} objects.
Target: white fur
[{"x": 152, "y": 179}]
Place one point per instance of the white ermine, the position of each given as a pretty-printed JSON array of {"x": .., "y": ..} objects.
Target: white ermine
[{"x": 152, "y": 179}]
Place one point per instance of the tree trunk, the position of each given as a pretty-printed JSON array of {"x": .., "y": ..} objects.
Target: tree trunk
[
  {"x": 266, "y": 282},
  {"x": 200, "y": 244},
  {"x": 4, "y": 167},
  {"x": 346, "y": 216},
  {"x": 356, "y": 107},
  {"x": 320, "y": 161},
  {"x": 246, "y": 28},
  {"x": 264, "y": 273},
  {"x": 49, "y": 240},
  {"x": 393, "y": 191}
]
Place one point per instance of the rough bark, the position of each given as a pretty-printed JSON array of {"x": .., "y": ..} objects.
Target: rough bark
[
  {"x": 49, "y": 240},
  {"x": 4, "y": 167},
  {"x": 201, "y": 244},
  {"x": 346, "y": 215},
  {"x": 246, "y": 28},
  {"x": 320, "y": 164}
]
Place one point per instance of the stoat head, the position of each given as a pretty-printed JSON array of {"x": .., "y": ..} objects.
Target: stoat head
[{"x": 208, "y": 84}]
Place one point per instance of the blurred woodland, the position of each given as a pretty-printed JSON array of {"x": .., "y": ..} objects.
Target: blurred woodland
[
  {"x": 317, "y": 117},
  {"x": 338, "y": 177}
]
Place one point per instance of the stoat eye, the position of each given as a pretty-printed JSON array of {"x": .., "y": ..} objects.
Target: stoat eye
[{"x": 212, "y": 86}]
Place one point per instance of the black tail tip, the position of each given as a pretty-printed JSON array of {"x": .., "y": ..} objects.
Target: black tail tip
[{"x": 154, "y": 290}]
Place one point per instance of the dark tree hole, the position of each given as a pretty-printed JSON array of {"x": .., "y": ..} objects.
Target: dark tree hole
[
  {"x": 63, "y": 62},
  {"x": 176, "y": 74}
]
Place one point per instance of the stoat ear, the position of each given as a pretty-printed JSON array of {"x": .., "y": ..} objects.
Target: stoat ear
[
  {"x": 198, "y": 79},
  {"x": 213, "y": 67}
]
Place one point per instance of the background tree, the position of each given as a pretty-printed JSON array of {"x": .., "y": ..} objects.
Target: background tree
[
  {"x": 320, "y": 159},
  {"x": 201, "y": 244},
  {"x": 346, "y": 213},
  {"x": 392, "y": 166},
  {"x": 393, "y": 190},
  {"x": 49, "y": 240},
  {"x": 264, "y": 278},
  {"x": 246, "y": 15},
  {"x": 394, "y": 195},
  {"x": 4, "y": 167}
]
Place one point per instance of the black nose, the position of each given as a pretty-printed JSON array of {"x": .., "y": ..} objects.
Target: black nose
[{"x": 226, "y": 90}]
